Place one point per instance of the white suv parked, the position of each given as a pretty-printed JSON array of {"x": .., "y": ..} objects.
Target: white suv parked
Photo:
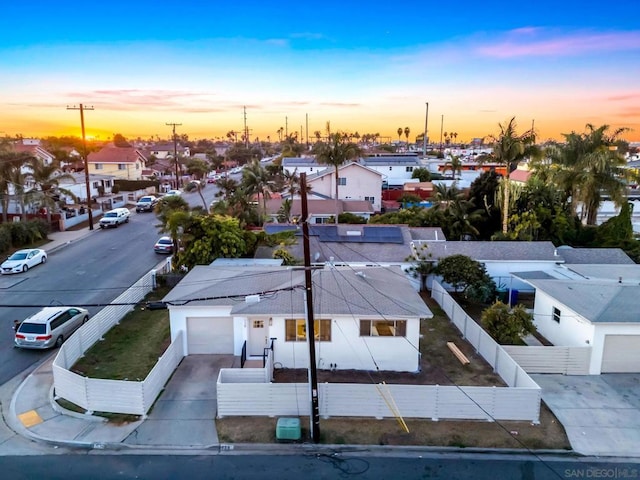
[{"x": 115, "y": 217}]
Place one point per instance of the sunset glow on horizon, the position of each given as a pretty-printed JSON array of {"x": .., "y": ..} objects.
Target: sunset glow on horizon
[{"x": 370, "y": 70}]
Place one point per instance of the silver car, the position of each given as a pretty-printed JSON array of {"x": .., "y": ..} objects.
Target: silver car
[{"x": 50, "y": 327}]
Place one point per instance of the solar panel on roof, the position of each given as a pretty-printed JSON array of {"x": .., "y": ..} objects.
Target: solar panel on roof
[{"x": 391, "y": 234}]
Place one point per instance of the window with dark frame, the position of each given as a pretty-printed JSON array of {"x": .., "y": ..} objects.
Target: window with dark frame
[{"x": 556, "y": 314}]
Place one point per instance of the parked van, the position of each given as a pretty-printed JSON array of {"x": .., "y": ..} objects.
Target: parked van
[
  {"x": 50, "y": 327},
  {"x": 115, "y": 217}
]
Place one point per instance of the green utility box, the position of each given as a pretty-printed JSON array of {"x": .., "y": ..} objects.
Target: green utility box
[{"x": 288, "y": 430}]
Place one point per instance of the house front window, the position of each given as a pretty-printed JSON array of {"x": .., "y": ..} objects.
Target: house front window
[
  {"x": 556, "y": 314},
  {"x": 296, "y": 330},
  {"x": 99, "y": 166},
  {"x": 320, "y": 220},
  {"x": 383, "y": 328},
  {"x": 370, "y": 199},
  {"x": 409, "y": 169},
  {"x": 342, "y": 181},
  {"x": 122, "y": 166}
]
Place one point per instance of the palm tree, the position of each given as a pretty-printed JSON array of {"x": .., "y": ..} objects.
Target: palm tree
[
  {"x": 11, "y": 163},
  {"x": 454, "y": 164},
  {"x": 509, "y": 148},
  {"x": 226, "y": 187},
  {"x": 588, "y": 165},
  {"x": 406, "y": 134},
  {"x": 46, "y": 179},
  {"x": 256, "y": 181},
  {"x": 336, "y": 152},
  {"x": 399, "y": 133}
]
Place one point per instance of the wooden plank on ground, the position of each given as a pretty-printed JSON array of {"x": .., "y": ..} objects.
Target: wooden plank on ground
[{"x": 459, "y": 355}]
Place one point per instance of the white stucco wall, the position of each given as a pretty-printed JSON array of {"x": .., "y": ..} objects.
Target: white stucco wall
[
  {"x": 394, "y": 174},
  {"x": 573, "y": 329},
  {"x": 361, "y": 183},
  {"x": 602, "y": 330},
  {"x": 348, "y": 350}
]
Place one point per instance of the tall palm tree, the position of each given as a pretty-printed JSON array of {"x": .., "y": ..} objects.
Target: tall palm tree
[
  {"x": 336, "y": 151},
  {"x": 399, "y": 133},
  {"x": 407, "y": 131},
  {"x": 509, "y": 148},
  {"x": 256, "y": 181},
  {"x": 454, "y": 164},
  {"x": 588, "y": 165},
  {"x": 11, "y": 163}
]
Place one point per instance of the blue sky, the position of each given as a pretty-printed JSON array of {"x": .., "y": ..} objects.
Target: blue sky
[{"x": 362, "y": 66}]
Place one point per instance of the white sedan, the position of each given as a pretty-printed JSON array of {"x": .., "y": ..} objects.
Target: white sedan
[{"x": 23, "y": 260}]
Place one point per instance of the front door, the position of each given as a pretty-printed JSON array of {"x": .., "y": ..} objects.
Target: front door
[{"x": 257, "y": 336}]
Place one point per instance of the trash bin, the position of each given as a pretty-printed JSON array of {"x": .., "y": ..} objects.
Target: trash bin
[
  {"x": 288, "y": 430},
  {"x": 513, "y": 298}
]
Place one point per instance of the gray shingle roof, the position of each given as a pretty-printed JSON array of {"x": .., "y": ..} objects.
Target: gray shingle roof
[
  {"x": 495, "y": 251},
  {"x": 626, "y": 273},
  {"x": 376, "y": 291},
  {"x": 599, "y": 302},
  {"x": 594, "y": 255}
]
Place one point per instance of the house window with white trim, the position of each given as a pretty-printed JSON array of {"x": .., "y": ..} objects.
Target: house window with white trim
[
  {"x": 556, "y": 314},
  {"x": 370, "y": 199},
  {"x": 383, "y": 328},
  {"x": 122, "y": 166},
  {"x": 99, "y": 166},
  {"x": 342, "y": 181},
  {"x": 296, "y": 330},
  {"x": 409, "y": 169}
]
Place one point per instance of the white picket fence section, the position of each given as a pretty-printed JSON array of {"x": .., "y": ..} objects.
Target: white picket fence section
[
  {"x": 115, "y": 396},
  {"x": 548, "y": 359},
  {"x": 237, "y": 395}
]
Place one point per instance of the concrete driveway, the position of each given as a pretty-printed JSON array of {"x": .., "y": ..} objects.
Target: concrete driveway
[
  {"x": 185, "y": 412},
  {"x": 600, "y": 413}
]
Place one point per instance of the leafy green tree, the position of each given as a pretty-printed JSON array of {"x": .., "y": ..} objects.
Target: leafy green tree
[
  {"x": 507, "y": 325},
  {"x": 210, "y": 237},
  {"x": 286, "y": 257},
  {"x": 47, "y": 179},
  {"x": 482, "y": 193},
  {"x": 11, "y": 177},
  {"x": 617, "y": 230},
  {"x": 352, "y": 218},
  {"x": 422, "y": 174},
  {"x": 120, "y": 141},
  {"x": 462, "y": 272},
  {"x": 336, "y": 151}
]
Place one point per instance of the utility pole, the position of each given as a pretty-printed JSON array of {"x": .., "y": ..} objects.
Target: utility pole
[
  {"x": 314, "y": 417},
  {"x": 426, "y": 123},
  {"x": 441, "y": 127},
  {"x": 82, "y": 108},
  {"x": 175, "y": 152},
  {"x": 286, "y": 127},
  {"x": 307, "y": 128},
  {"x": 246, "y": 132}
]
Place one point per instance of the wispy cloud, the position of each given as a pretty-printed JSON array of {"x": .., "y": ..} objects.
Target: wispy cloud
[
  {"x": 624, "y": 97},
  {"x": 537, "y": 42}
]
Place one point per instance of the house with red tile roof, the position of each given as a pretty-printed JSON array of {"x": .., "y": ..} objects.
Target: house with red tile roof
[{"x": 125, "y": 163}]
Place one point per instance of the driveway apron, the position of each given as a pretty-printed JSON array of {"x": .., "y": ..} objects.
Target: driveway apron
[
  {"x": 184, "y": 414},
  {"x": 600, "y": 413}
]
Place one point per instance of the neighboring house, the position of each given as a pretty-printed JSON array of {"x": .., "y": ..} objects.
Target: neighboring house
[
  {"x": 99, "y": 185},
  {"x": 166, "y": 150},
  {"x": 357, "y": 246},
  {"x": 355, "y": 182},
  {"x": 591, "y": 305},
  {"x": 320, "y": 211},
  {"x": 308, "y": 165},
  {"x": 364, "y": 319},
  {"x": 501, "y": 259},
  {"x": 124, "y": 163},
  {"x": 395, "y": 170}
]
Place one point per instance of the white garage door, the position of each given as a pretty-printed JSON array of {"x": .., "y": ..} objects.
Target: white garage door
[
  {"x": 621, "y": 354},
  {"x": 209, "y": 335}
]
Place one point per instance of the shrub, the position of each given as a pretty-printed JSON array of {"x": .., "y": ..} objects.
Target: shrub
[{"x": 507, "y": 326}]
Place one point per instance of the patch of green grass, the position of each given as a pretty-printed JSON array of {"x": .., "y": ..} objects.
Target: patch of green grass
[{"x": 130, "y": 349}]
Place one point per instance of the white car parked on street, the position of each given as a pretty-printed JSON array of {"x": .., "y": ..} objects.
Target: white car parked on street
[
  {"x": 115, "y": 217},
  {"x": 23, "y": 260}
]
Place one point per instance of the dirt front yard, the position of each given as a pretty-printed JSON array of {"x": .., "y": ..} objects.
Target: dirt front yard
[{"x": 439, "y": 366}]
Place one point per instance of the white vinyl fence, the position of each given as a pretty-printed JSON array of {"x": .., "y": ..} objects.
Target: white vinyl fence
[
  {"x": 237, "y": 393},
  {"x": 115, "y": 396},
  {"x": 565, "y": 360}
]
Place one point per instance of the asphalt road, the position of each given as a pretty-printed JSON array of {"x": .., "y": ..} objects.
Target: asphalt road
[
  {"x": 89, "y": 272},
  {"x": 310, "y": 466}
]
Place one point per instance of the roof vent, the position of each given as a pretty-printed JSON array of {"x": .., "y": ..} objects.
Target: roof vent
[
  {"x": 354, "y": 233},
  {"x": 252, "y": 298}
]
